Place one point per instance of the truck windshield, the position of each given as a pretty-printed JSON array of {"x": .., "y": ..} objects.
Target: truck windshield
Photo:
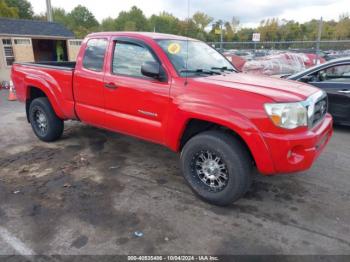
[{"x": 194, "y": 58}]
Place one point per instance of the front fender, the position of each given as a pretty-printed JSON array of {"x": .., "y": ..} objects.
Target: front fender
[{"x": 232, "y": 120}]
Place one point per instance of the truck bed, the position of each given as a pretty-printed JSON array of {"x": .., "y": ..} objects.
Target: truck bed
[{"x": 55, "y": 79}]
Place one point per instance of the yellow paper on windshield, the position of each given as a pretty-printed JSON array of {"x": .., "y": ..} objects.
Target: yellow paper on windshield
[{"x": 174, "y": 48}]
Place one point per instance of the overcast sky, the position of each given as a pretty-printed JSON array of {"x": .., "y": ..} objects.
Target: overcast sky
[{"x": 249, "y": 12}]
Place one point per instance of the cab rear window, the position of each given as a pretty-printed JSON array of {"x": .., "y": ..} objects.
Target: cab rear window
[{"x": 95, "y": 54}]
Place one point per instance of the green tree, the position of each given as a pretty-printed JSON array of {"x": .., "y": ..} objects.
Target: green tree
[
  {"x": 81, "y": 21},
  {"x": 329, "y": 29},
  {"x": 188, "y": 28},
  {"x": 214, "y": 27},
  {"x": 130, "y": 26},
  {"x": 24, "y": 7},
  {"x": 108, "y": 24},
  {"x": 6, "y": 11},
  {"x": 230, "y": 30},
  {"x": 59, "y": 15},
  {"x": 81, "y": 16},
  {"x": 342, "y": 28},
  {"x": 310, "y": 30},
  {"x": 245, "y": 34},
  {"x": 229, "y": 33},
  {"x": 164, "y": 23},
  {"x": 201, "y": 20},
  {"x": 290, "y": 30},
  {"x": 269, "y": 30},
  {"x": 133, "y": 19}
]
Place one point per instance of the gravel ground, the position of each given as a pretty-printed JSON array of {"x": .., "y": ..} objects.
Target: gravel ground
[{"x": 89, "y": 192}]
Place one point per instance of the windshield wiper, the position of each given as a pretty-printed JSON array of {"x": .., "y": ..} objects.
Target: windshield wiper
[
  {"x": 200, "y": 71},
  {"x": 224, "y": 68}
]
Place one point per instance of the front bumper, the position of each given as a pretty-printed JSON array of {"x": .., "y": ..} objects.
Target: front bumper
[{"x": 297, "y": 152}]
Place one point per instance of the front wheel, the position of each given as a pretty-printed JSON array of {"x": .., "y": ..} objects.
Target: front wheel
[
  {"x": 217, "y": 167},
  {"x": 45, "y": 123}
]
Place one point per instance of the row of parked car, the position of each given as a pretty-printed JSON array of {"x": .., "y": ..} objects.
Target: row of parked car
[{"x": 250, "y": 54}]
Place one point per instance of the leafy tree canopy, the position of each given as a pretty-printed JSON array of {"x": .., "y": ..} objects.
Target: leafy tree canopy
[
  {"x": 133, "y": 20},
  {"x": 81, "y": 16},
  {"x": 82, "y": 22},
  {"x": 201, "y": 20},
  {"x": 24, "y": 8},
  {"x": 7, "y": 11},
  {"x": 108, "y": 24}
]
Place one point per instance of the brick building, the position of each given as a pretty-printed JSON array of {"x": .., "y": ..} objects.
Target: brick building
[{"x": 32, "y": 41}]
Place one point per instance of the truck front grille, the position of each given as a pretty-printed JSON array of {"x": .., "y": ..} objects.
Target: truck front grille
[{"x": 320, "y": 110}]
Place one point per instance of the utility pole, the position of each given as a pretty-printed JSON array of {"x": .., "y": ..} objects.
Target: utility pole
[
  {"x": 221, "y": 38},
  {"x": 319, "y": 39},
  {"x": 49, "y": 11}
]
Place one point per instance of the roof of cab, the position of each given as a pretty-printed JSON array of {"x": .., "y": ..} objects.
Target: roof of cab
[{"x": 142, "y": 34}]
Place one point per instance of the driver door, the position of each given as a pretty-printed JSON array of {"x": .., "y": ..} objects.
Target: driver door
[
  {"x": 335, "y": 81},
  {"x": 134, "y": 104}
]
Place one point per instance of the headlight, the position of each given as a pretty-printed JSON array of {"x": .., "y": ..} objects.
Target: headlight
[{"x": 287, "y": 115}]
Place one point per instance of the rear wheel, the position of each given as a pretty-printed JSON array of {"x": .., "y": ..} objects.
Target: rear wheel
[
  {"x": 45, "y": 123},
  {"x": 217, "y": 167}
]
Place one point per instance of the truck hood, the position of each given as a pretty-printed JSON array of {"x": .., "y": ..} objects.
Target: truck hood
[{"x": 280, "y": 90}]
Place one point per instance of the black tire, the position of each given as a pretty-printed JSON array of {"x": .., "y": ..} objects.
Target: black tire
[
  {"x": 41, "y": 114},
  {"x": 234, "y": 156}
]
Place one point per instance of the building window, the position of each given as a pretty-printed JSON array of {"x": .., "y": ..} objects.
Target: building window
[
  {"x": 8, "y": 51},
  {"x": 20, "y": 41},
  {"x": 75, "y": 42}
]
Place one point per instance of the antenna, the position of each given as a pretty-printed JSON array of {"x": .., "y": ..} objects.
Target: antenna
[{"x": 187, "y": 29}]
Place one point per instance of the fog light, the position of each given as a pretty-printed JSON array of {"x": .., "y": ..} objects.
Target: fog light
[{"x": 295, "y": 155}]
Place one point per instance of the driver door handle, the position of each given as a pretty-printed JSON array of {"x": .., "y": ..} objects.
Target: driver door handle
[
  {"x": 111, "y": 86},
  {"x": 346, "y": 91}
]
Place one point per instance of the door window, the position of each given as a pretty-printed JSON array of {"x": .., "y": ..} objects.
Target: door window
[
  {"x": 337, "y": 74},
  {"x": 94, "y": 54},
  {"x": 128, "y": 59}
]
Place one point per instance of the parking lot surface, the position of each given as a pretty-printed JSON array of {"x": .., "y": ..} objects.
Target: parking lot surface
[{"x": 92, "y": 190}]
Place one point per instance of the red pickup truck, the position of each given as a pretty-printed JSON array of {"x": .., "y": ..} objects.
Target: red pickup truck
[{"x": 183, "y": 94}]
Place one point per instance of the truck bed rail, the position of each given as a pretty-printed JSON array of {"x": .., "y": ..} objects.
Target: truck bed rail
[{"x": 51, "y": 64}]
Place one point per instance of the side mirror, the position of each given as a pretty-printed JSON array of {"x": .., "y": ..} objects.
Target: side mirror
[{"x": 151, "y": 69}]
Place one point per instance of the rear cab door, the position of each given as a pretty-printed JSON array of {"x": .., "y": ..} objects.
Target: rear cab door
[
  {"x": 135, "y": 104},
  {"x": 88, "y": 82}
]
